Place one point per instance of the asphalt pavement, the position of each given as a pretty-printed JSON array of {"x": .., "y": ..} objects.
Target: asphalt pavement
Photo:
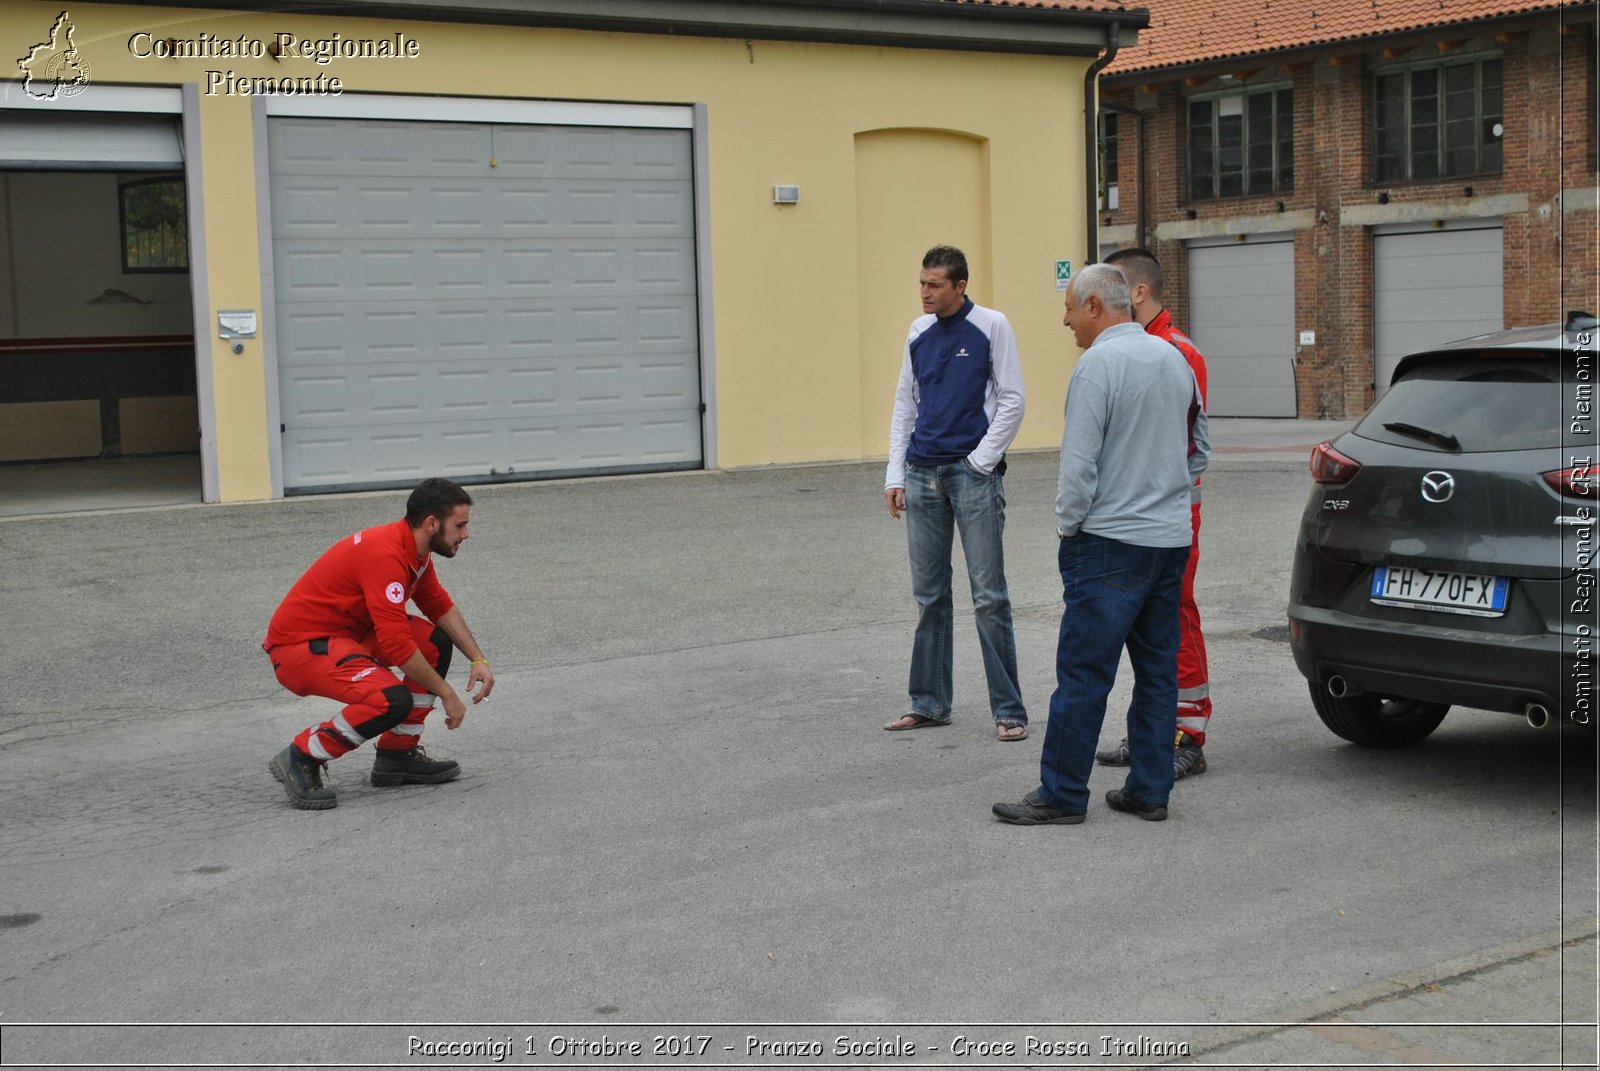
[{"x": 681, "y": 826}]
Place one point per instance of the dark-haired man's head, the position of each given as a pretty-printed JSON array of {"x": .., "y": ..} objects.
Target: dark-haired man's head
[
  {"x": 943, "y": 280},
  {"x": 440, "y": 509}
]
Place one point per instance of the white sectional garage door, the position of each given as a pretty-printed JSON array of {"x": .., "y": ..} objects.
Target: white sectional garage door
[
  {"x": 1433, "y": 285},
  {"x": 482, "y": 301},
  {"x": 1241, "y": 317}
]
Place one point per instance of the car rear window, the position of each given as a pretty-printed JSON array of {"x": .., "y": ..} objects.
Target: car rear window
[{"x": 1484, "y": 404}]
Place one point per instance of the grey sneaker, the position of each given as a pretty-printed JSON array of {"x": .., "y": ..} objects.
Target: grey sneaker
[
  {"x": 302, "y": 780},
  {"x": 1117, "y": 756},
  {"x": 1187, "y": 761},
  {"x": 412, "y": 767}
]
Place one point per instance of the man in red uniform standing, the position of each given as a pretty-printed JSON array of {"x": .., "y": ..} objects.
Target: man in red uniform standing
[
  {"x": 1143, "y": 273},
  {"x": 344, "y": 623}
]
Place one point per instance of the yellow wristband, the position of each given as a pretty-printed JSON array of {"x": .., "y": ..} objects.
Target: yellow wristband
[{"x": 480, "y": 662}]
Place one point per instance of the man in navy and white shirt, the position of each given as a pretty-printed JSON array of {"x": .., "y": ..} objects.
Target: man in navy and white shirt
[{"x": 957, "y": 409}]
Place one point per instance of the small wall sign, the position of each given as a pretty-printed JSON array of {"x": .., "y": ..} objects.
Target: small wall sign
[
  {"x": 236, "y": 323},
  {"x": 1063, "y": 274}
]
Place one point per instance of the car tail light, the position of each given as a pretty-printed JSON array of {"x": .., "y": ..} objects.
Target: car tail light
[
  {"x": 1575, "y": 482},
  {"x": 1330, "y": 466}
]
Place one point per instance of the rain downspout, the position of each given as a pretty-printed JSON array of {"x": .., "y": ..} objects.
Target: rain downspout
[{"x": 1091, "y": 127}]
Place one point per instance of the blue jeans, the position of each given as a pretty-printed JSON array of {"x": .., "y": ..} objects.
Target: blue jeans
[
  {"x": 939, "y": 500},
  {"x": 1116, "y": 595}
]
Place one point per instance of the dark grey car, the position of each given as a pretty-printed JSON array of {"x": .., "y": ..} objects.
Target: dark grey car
[{"x": 1446, "y": 554}]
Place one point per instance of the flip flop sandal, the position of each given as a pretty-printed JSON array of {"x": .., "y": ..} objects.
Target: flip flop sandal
[
  {"x": 920, "y": 723},
  {"x": 1000, "y": 728}
]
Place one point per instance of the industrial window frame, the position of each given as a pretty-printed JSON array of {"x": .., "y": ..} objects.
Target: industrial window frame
[
  {"x": 1415, "y": 136},
  {"x": 1261, "y": 163}
]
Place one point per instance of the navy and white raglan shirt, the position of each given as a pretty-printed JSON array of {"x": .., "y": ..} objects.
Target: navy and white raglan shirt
[{"x": 960, "y": 393}]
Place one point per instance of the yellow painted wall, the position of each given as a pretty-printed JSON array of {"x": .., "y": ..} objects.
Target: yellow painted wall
[
  {"x": 914, "y": 189},
  {"x": 233, "y": 275},
  {"x": 808, "y": 322}
]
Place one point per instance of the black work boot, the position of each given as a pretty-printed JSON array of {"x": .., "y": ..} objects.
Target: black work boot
[
  {"x": 411, "y": 767},
  {"x": 302, "y": 780}
]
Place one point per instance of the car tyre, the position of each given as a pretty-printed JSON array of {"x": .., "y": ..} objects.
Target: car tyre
[{"x": 1376, "y": 721}]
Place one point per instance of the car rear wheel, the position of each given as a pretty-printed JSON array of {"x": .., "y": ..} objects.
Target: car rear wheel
[{"x": 1375, "y": 721}]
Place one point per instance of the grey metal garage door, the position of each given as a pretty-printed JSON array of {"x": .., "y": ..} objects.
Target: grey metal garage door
[
  {"x": 1433, "y": 285},
  {"x": 1241, "y": 316},
  {"x": 482, "y": 301}
]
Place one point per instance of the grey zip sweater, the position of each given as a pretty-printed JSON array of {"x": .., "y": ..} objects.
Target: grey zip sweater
[{"x": 1126, "y": 469}]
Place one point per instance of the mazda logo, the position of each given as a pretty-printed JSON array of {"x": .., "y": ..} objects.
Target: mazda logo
[{"x": 1438, "y": 486}]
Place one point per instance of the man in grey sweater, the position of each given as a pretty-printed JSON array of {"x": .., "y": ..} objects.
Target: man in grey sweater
[{"x": 1122, "y": 512}]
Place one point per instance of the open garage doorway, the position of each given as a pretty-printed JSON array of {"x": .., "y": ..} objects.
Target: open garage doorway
[{"x": 98, "y": 404}]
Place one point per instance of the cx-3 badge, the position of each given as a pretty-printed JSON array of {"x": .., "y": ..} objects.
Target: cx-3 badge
[{"x": 1438, "y": 486}]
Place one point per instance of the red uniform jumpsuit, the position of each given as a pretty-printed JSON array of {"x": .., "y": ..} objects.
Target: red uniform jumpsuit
[
  {"x": 344, "y": 623},
  {"x": 1194, "y": 684}
]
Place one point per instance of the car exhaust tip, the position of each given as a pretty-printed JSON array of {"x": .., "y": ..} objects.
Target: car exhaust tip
[
  {"x": 1537, "y": 715},
  {"x": 1338, "y": 687}
]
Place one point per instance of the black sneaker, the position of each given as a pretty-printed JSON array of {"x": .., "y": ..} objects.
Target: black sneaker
[
  {"x": 1119, "y": 800},
  {"x": 1188, "y": 760},
  {"x": 412, "y": 767},
  {"x": 1034, "y": 811},
  {"x": 302, "y": 780},
  {"x": 1117, "y": 756}
]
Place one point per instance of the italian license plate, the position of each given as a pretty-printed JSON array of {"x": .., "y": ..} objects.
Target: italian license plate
[{"x": 1455, "y": 593}]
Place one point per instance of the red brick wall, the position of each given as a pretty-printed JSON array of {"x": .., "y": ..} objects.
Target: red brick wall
[
  {"x": 1579, "y": 232},
  {"x": 1343, "y": 357},
  {"x": 1551, "y": 259}
]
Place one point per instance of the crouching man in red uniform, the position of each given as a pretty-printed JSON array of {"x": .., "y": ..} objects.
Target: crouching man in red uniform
[{"x": 344, "y": 623}]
